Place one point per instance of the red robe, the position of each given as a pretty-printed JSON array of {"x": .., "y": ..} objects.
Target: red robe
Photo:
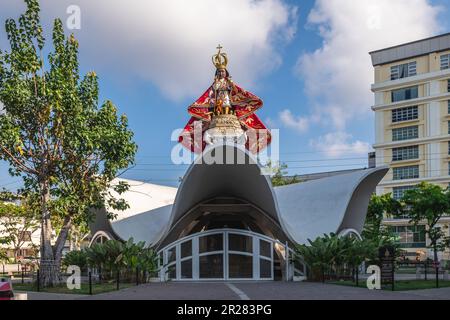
[{"x": 244, "y": 103}]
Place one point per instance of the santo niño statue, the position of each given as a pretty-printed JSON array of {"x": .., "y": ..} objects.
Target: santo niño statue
[{"x": 225, "y": 110}]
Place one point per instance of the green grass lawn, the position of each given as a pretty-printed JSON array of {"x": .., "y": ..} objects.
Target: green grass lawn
[
  {"x": 96, "y": 288},
  {"x": 401, "y": 285}
]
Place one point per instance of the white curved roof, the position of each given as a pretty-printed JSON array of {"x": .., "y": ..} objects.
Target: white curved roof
[
  {"x": 313, "y": 208},
  {"x": 143, "y": 197},
  {"x": 304, "y": 210}
]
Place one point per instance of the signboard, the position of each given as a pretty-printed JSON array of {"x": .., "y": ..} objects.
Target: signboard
[{"x": 387, "y": 264}]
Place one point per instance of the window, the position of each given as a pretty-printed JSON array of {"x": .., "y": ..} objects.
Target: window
[
  {"x": 404, "y": 114},
  {"x": 448, "y": 106},
  {"x": 410, "y": 172},
  {"x": 405, "y": 153},
  {"x": 399, "y": 192},
  {"x": 445, "y": 61},
  {"x": 403, "y": 70},
  {"x": 210, "y": 243},
  {"x": 405, "y": 133},
  {"x": 405, "y": 94},
  {"x": 410, "y": 236},
  {"x": 448, "y": 85},
  {"x": 448, "y": 151}
]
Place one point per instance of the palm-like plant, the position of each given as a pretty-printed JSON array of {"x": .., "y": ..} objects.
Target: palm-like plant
[
  {"x": 77, "y": 258},
  {"x": 333, "y": 253}
]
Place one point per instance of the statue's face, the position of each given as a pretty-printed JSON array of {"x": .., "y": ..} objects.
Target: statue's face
[{"x": 222, "y": 73}]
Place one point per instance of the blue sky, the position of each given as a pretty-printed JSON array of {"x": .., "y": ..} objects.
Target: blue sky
[{"x": 308, "y": 61}]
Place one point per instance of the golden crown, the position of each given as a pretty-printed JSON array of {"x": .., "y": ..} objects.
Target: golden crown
[{"x": 220, "y": 60}]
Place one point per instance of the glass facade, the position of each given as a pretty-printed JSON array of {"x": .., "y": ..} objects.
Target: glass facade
[
  {"x": 186, "y": 269},
  {"x": 211, "y": 266},
  {"x": 405, "y": 94},
  {"x": 409, "y": 172},
  {"x": 265, "y": 267},
  {"x": 405, "y": 153},
  {"x": 211, "y": 243},
  {"x": 220, "y": 255},
  {"x": 405, "y": 114},
  {"x": 240, "y": 266},
  {"x": 186, "y": 249},
  {"x": 405, "y": 133},
  {"x": 237, "y": 242}
]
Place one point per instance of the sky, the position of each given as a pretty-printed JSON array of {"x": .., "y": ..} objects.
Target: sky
[{"x": 307, "y": 60}]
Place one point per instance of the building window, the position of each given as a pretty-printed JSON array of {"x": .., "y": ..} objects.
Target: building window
[
  {"x": 403, "y": 70},
  {"x": 410, "y": 236},
  {"x": 448, "y": 151},
  {"x": 399, "y": 192},
  {"x": 448, "y": 85},
  {"x": 405, "y": 153},
  {"x": 405, "y": 133},
  {"x": 445, "y": 61},
  {"x": 409, "y": 172},
  {"x": 404, "y": 114},
  {"x": 405, "y": 94}
]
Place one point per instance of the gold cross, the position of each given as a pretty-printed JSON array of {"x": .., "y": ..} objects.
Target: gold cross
[{"x": 219, "y": 47}]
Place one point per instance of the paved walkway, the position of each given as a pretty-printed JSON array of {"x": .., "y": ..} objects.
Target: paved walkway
[{"x": 263, "y": 291}]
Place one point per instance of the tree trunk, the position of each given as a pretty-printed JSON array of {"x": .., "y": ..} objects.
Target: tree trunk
[
  {"x": 48, "y": 272},
  {"x": 61, "y": 241},
  {"x": 435, "y": 253}
]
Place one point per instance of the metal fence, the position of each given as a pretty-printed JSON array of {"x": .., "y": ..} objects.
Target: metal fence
[{"x": 91, "y": 281}]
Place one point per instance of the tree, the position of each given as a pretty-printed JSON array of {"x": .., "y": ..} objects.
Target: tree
[
  {"x": 54, "y": 135},
  {"x": 280, "y": 176},
  {"x": 428, "y": 203},
  {"x": 3, "y": 253},
  {"x": 19, "y": 222},
  {"x": 380, "y": 207}
]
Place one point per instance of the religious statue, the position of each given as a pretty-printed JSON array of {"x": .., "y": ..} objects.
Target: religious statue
[{"x": 225, "y": 112}]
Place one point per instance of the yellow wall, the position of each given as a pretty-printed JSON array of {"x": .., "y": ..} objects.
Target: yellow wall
[{"x": 383, "y": 72}]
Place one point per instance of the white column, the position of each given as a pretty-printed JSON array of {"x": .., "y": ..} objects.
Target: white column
[
  {"x": 178, "y": 262},
  {"x": 435, "y": 87},
  {"x": 379, "y": 127},
  {"x": 434, "y": 160},
  {"x": 226, "y": 273},
  {"x": 379, "y": 157},
  {"x": 379, "y": 98},
  {"x": 434, "y": 129},
  {"x": 256, "y": 269},
  {"x": 195, "y": 259}
]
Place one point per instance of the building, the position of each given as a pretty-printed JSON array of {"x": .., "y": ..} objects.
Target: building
[
  {"x": 26, "y": 237},
  {"x": 227, "y": 221},
  {"x": 412, "y": 124}
]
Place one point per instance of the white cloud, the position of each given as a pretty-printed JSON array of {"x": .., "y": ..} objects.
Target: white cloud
[
  {"x": 170, "y": 43},
  {"x": 336, "y": 144},
  {"x": 300, "y": 124},
  {"x": 338, "y": 75}
]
